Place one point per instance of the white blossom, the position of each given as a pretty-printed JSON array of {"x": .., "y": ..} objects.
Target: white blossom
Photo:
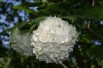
[
  {"x": 53, "y": 40},
  {"x": 20, "y": 41}
]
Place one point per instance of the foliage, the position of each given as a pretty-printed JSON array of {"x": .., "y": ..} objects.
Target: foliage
[{"x": 85, "y": 15}]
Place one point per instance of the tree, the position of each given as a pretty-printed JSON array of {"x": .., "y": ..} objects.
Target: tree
[{"x": 85, "y": 15}]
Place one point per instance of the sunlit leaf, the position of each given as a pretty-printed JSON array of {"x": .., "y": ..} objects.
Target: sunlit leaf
[{"x": 25, "y": 8}]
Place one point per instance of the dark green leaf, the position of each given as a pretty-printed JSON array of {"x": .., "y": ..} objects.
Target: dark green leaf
[
  {"x": 96, "y": 52},
  {"x": 25, "y": 8},
  {"x": 93, "y": 12},
  {"x": 35, "y": 23}
]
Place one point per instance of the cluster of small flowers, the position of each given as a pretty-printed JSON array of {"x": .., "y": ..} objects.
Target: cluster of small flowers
[
  {"x": 53, "y": 40},
  {"x": 21, "y": 42}
]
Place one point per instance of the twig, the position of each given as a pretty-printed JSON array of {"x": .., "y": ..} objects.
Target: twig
[
  {"x": 64, "y": 65},
  {"x": 89, "y": 30},
  {"x": 93, "y": 2},
  {"x": 79, "y": 57},
  {"x": 88, "y": 25}
]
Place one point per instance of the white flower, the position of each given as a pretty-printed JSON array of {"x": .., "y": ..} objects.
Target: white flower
[
  {"x": 53, "y": 40},
  {"x": 20, "y": 41}
]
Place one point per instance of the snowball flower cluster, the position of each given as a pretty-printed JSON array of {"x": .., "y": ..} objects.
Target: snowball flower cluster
[
  {"x": 20, "y": 41},
  {"x": 53, "y": 40}
]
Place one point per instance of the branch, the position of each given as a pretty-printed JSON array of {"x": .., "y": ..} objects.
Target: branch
[
  {"x": 93, "y": 2},
  {"x": 79, "y": 57},
  {"x": 64, "y": 65},
  {"x": 88, "y": 29}
]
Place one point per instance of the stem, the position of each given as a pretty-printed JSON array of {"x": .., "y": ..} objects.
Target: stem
[
  {"x": 93, "y": 2},
  {"x": 64, "y": 65},
  {"x": 88, "y": 25},
  {"x": 79, "y": 57}
]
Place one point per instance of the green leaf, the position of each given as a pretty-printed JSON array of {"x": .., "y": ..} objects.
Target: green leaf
[
  {"x": 35, "y": 23},
  {"x": 25, "y": 8},
  {"x": 11, "y": 29},
  {"x": 31, "y": 25},
  {"x": 93, "y": 12},
  {"x": 71, "y": 17},
  {"x": 100, "y": 2},
  {"x": 24, "y": 26},
  {"x": 96, "y": 52},
  {"x": 55, "y": 9},
  {"x": 37, "y": 1},
  {"x": 5, "y": 62},
  {"x": 96, "y": 30},
  {"x": 31, "y": 4}
]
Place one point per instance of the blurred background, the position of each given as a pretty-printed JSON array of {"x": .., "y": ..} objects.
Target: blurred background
[{"x": 85, "y": 15}]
